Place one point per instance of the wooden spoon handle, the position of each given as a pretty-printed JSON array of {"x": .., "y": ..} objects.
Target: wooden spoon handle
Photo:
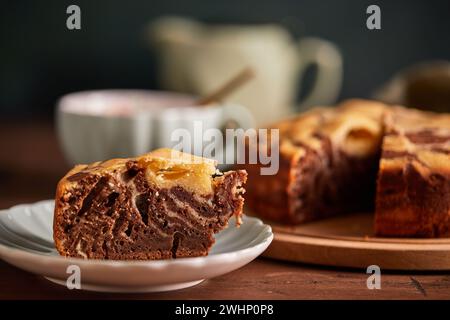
[{"x": 230, "y": 86}]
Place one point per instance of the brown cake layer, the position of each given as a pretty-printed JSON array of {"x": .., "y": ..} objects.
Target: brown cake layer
[
  {"x": 413, "y": 193},
  {"x": 328, "y": 164},
  {"x": 150, "y": 207}
]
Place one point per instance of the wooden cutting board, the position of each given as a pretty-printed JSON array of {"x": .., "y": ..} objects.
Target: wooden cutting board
[{"x": 348, "y": 241}]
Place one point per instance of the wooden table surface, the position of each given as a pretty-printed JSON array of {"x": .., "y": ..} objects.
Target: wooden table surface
[{"x": 30, "y": 166}]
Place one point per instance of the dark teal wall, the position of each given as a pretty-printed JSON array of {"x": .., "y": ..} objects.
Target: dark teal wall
[{"x": 40, "y": 59}]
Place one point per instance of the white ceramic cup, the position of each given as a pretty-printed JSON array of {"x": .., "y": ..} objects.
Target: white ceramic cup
[{"x": 98, "y": 125}]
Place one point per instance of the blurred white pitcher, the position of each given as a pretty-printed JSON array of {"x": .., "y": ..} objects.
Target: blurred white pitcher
[{"x": 198, "y": 58}]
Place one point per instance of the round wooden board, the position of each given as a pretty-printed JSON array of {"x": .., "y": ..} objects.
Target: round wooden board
[{"x": 348, "y": 241}]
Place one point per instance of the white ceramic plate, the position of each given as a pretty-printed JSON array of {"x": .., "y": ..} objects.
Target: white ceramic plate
[{"x": 26, "y": 241}]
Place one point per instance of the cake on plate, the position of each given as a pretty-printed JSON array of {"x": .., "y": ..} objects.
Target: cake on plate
[{"x": 162, "y": 205}]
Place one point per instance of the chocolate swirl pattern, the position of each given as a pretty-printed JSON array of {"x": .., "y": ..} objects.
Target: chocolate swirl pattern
[
  {"x": 328, "y": 164},
  {"x": 413, "y": 192}
]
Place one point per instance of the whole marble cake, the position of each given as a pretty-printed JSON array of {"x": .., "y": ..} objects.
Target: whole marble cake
[
  {"x": 413, "y": 193},
  {"x": 162, "y": 205},
  {"x": 330, "y": 160}
]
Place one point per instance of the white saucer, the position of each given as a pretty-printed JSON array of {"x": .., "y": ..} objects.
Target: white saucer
[{"x": 26, "y": 241}]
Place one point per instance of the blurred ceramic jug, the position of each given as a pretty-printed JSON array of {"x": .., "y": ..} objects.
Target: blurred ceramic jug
[{"x": 198, "y": 58}]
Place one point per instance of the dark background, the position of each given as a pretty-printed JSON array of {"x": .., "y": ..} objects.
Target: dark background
[{"x": 41, "y": 59}]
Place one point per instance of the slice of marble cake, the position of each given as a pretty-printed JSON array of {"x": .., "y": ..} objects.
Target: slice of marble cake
[{"x": 161, "y": 205}]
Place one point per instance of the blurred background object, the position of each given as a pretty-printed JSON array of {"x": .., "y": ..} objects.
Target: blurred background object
[
  {"x": 425, "y": 86},
  {"x": 196, "y": 58},
  {"x": 41, "y": 59},
  {"x": 103, "y": 124}
]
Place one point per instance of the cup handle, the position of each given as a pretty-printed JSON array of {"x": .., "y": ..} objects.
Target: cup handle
[
  {"x": 328, "y": 82},
  {"x": 234, "y": 116}
]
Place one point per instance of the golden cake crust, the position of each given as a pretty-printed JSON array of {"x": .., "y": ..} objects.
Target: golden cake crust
[
  {"x": 165, "y": 168},
  {"x": 353, "y": 125}
]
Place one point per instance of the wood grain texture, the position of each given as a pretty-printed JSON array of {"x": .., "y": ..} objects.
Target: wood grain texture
[
  {"x": 30, "y": 166},
  {"x": 262, "y": 279},
  {"x": 347, "y": 241}
]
